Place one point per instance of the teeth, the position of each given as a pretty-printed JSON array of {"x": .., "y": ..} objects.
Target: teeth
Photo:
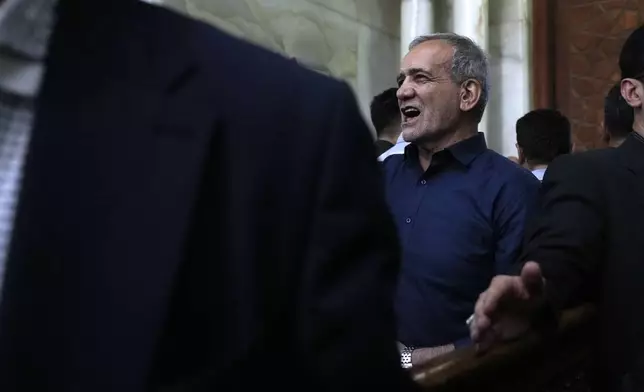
[{"x": 410, "y": 112}]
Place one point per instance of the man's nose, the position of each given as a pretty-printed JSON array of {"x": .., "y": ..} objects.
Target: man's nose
[{"x": 405, "y": 91}]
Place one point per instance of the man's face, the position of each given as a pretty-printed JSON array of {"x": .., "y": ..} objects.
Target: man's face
[{"x": 427, "y": 96}]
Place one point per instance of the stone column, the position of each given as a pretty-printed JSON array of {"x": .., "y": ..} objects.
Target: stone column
[
  {"x": 471, "y": 20},
  {"x": 416, "y": 18}
]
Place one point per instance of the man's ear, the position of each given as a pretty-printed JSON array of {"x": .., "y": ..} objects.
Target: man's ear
[
  {"x": 632, "y": 92},
  {"x": 521, "y": 156},
  {"x": 470, "y": 94}
]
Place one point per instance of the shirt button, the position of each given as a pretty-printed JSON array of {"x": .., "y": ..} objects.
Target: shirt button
[
  {"x": 423, "y": 182},
  {"x": 408, "y": 220}
]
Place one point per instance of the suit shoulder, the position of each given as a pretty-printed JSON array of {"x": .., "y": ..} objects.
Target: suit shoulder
[
  {"x": 586, "y": 172},
  {"x": 597, "y": 155},
  {"x": 595, "y": 161}
]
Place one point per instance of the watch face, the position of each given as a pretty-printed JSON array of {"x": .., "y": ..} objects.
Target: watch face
[{"x": 405, "y": 358}]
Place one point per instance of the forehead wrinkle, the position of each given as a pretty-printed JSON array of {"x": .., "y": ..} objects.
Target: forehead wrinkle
[{"x": 428, "y": 65}]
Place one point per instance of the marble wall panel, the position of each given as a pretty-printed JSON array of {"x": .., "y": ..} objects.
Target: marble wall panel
[
  {"x": 509, "y": 51},
  {"x": 354, "y": 40}
]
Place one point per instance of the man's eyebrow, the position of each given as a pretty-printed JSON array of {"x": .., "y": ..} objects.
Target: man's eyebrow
[{"x": 411, "y": 71}]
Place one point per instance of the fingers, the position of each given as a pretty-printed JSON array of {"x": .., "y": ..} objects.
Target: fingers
[
  {"x": 503, "y": 289},
  {"x": 478, "y": 322},
  {"x": 532, "y": 279},
  {"x": 487, "y": 339},
  {"x": 487, "y": 304},
  {"x": 481, "y": 330}
]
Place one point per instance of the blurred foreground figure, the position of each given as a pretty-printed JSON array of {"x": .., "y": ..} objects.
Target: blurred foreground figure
[
  {"x": 159, "y": 242},
  {"x": 588, "y": 245}
]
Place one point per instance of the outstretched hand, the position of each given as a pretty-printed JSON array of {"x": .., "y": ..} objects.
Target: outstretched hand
[{"x": 505, "y": 310}]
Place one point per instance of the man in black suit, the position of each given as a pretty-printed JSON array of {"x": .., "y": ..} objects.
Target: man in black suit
[
  {"x": 588, "y": 245},
  {"x": 191, "y": 216}
]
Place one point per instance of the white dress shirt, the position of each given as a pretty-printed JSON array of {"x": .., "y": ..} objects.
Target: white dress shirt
[
  {"x": 539, "y": 173},
  {"x": 398, "y": 148}
]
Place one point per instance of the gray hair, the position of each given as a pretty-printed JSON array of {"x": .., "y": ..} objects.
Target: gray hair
[{"x": 468, "y": 62}]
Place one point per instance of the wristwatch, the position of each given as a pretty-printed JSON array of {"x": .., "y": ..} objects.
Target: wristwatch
[{"x": 405, "y": 357}]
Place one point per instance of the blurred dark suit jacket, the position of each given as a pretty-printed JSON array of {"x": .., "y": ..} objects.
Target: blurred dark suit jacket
[
  {"x": 589, "y": 242},
  {"x": 197, "y": 213}
]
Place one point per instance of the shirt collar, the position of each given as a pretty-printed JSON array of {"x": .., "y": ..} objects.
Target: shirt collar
[
  {"x": 464, "y": 151},
  {"x": 25, "y": 27}
]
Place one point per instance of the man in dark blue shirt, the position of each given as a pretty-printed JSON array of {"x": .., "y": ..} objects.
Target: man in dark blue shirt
[{"x": 460, "y": 208}]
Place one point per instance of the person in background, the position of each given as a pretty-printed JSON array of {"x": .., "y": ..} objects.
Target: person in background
[
  {"x": 618, "y": 117},
  {"x": 398, "y": 148},
  {"x": 542, "y": 135},
  {"x": 150, "y": 237},
  {"x": 460, "y": 207},
  {"x": 385, "y": 116},
  {"x": 587, "y": 246}
]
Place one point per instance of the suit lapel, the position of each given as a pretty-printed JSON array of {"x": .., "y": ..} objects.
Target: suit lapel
[{"x": 111, "y": 173}]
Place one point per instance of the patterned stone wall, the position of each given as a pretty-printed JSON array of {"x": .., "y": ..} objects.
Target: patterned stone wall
[{"x": 587, "y": 59}]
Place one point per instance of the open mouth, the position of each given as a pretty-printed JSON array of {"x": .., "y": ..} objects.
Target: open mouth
[{"x": 409, "y": 112}]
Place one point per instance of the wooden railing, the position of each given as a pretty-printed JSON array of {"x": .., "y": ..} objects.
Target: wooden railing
[{"x": 532, "y": 363}]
